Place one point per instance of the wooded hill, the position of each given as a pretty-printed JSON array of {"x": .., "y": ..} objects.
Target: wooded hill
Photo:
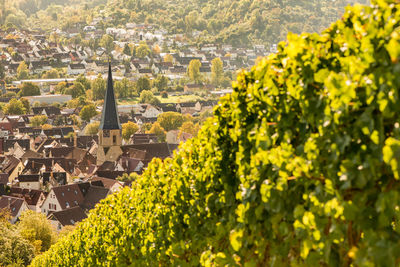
[
  {"x": 298, "y": 167},
  {"x": 236, "y": 22}
]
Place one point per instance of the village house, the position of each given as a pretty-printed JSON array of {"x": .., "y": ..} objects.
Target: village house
[{"x": 14, "y": 205}]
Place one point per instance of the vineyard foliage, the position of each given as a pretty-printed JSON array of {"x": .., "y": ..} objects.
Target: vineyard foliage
[{"x": 299, "y": 166}]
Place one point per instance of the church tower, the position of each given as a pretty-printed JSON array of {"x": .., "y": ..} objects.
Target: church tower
[{"x": 110, "y": 131}]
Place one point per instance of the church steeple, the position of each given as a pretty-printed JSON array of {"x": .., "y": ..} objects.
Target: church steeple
[
  {"x": 110, "y": 133},
  {"x": 109, "y": 117}
]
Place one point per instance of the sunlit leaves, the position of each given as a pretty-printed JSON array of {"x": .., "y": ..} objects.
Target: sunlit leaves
[{"x": 298, "y": 167}]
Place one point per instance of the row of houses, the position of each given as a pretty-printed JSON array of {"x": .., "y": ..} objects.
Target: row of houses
[{"x": 43, "y": 55}]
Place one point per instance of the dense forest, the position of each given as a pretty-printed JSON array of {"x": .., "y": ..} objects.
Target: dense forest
[
  {"x": 298, "y": 167},
  {"x": 237, "y": 22}
]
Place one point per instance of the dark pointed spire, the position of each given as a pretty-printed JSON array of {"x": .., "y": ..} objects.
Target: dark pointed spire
[{"x": 109, "y": 117}]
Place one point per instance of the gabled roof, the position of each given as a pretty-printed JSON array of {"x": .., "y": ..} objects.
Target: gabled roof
[
  {"x": 109, "y": 117},
  {"x": 31, "y": 196},
  {"x": 3, "y": 178},
  {"x": 108, "y": 183},
  {"x": 69, "y": 216},
  {"x": 13, "y": 204},
  {"x": 69, "y": 195},
  {"x": 94, "y": 195},
  {"x": 26, "y": 178},
  {"x": 153, "y": 150}
]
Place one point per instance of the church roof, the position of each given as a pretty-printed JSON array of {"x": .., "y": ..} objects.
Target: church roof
[{"x": 109, "y": 117}]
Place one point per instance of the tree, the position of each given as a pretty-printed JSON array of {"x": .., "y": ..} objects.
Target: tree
[
  {"x": 15, "y": 249},
  {"x": 35, "y": 227},
  {"x": 38, "y": 120},
  {"x": 156, "y": 49},
  {"x": 148, "y": 98},
  {"x": 168, "y": 58},
  {"x": 29, "y": 89},
  {"x": 99, "y": 87},
  {"x": 170, "y": 120},
  {"x": 60, "y": 87},
  {"x": 193, "y": 71},
  {"x": 51, "y": 74},
  {"x": 47, "y": 126},
  {"x": 190, "y": 128},
  {"x": 127, "y": 50},
  {"x": 161, "y": 82},
  {"x": 2, "y": 71},
  {"x": 159, "y": 131},
  {"x": 75, "y": 120},
  {"x": 142, "y": 50},
  {"x": 128, "y": 178},
  {"x": 92, "y": 128},
  {"x": 84, "y": 81},
  {"x": 14, "y": 107},
  {"x": 22, "y": 71},
  {"x": 107, "y": 42},
  {"x": 128, "y": 129},
  {"x": 88, "y": 112},
  {"x": 124, "y": 88},
  {"x": 75, "y": 90},
  {"x": 164, "y": 94},
  {"x": 217, "y": 71},
  {"x": 26, "y": 104},
  {"x": 143, "y": 83}
]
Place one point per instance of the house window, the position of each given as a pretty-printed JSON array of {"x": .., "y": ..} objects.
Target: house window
[
  {"x": 67, "y": 204},
  {"x": 114, "y": 139}
]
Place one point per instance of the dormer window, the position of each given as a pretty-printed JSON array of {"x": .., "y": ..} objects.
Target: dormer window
[{"x": 67, "y": 204}]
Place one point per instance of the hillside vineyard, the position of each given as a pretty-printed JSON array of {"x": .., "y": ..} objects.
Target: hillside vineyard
[{"x": 299, "y": 166}]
